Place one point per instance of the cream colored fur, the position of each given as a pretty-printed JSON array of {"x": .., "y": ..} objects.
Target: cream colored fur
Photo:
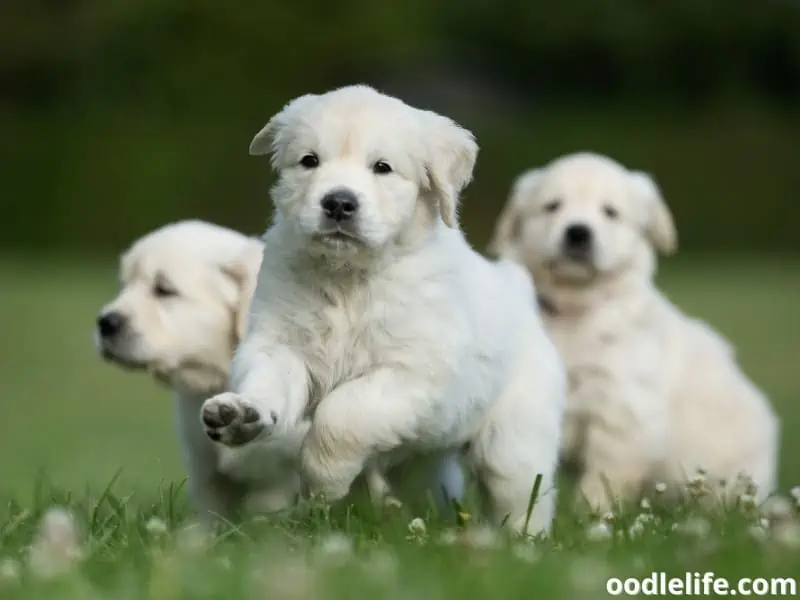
[
  {"x": 653, "y": 394},
  {"x": 388, "y": 329}
]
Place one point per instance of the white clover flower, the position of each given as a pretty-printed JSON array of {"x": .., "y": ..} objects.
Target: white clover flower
[
  {"x": 795, "y": 493},
  {"x": 599, "y": 531},
  {"x": 417, "y": 527},
  {"x": 645, "y": 504},
  {"x": 661, "y": 487},
  {"x": 156, "y": 526},
  {"x": 636, "y": 529},
  {"x": 56, "y": 548}
]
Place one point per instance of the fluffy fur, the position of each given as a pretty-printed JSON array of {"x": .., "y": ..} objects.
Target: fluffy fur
[
  {"x": 653, "y": 393},
  {"x": 185, "y": 292},
  {"x": 385, "y": 326}
]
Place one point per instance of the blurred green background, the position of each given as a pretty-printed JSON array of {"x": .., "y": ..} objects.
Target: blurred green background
[{"x": 119, "y": 116}]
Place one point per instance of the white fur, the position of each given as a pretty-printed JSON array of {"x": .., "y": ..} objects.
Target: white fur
[
  {"x": 397, "y": 337},
  {"x": 653, "y": 394},
  {"x": 186, "y": 339}
]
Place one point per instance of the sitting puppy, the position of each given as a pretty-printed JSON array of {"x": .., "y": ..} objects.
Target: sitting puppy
[
  {"x": 373, "y": 314},
  {"x": 186, "y": 290},
  {"x": 653, "y": 394}
]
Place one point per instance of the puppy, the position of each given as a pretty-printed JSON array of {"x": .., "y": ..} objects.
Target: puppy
[
  {"x": 186, "y": 290},
  {"x": 653, "y": 394},
  {"x": 373, "y": 314}
]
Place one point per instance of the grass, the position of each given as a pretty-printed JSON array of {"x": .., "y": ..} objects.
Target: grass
[{"x": 98, "y": 441}]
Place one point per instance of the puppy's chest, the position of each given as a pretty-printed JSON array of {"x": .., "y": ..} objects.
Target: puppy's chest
[
  {"x": 604, "y": 359},
  {"x": 341, "y": 340}
]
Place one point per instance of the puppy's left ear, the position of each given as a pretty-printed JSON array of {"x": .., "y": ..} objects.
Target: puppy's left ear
[
  {"x": 451, "y": 160},
  {"x": 659, "y": 225},
  {"x": 243, "y": 271}
]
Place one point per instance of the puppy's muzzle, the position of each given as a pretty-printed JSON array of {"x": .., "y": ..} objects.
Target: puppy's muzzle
[
  {"x": 578, "y": 240},
  {"x": 110, "y": 324},
  {"x": 339, "y": 205}
]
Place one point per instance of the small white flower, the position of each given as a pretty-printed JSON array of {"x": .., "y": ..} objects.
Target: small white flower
[
  {"x": 417, "y": 527},
  {"x": 56, "y": 548},
  {"x": 661, "y": 487},
  {"x": 645, "y": 504},
  {"x": 156, "y": 526},
  {"x": 599, "y": 531},
  {"x": 609, "y": 517},
  {"x": 795, "y": 493},
  {"x": 9, "y": 571},
  {"x": 335, "y": 549},
  {"x": 636, "y": 529},
  {"x": 747, "y": 502}
]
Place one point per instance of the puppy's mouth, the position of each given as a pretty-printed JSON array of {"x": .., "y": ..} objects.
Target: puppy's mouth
[
  {"x": 122, "y": 361},
  {"x": 337, "y": 235}
]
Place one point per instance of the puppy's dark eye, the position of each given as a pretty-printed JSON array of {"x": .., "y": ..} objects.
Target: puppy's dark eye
[
  {"x": 552, "y": 206},
  {"x": 162, "y": 289},
  {"x": 381, "y": 167},
  {"x": 310, "y": 161},
  {"x": 610, "y": 212}
]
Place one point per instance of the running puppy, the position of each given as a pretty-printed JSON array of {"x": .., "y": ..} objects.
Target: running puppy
[{"x": 373, "y": 315}]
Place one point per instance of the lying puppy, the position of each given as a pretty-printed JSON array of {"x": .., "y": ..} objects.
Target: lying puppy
[
  {"x": 653, "y": 394},
  {"x": 374, "y": 315},
  {"x": 186, "y": 290}
]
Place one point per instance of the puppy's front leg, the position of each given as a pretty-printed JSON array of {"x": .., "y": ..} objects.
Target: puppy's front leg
[
  {"x": 374, "y": 413},
  {"x": 269, "y": 393}
]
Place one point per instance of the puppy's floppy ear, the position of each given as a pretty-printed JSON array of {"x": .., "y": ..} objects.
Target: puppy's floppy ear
[
  {"x": 243, "y": 270},
  {"x": 452, "y": 153},
  {"x": 268, "y": 139},
  {"x": 506, "y": 230},
  {"x": 659, "y": 225}
]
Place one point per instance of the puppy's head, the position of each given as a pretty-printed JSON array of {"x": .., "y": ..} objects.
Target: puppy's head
[
  {"x": 584, "y": 216},
  {"x": 185, "y": 293},
  {"x": 359, "y": 170}
]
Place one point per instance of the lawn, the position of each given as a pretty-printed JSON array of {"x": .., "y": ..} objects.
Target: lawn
[{"x": 72, "y": 425}]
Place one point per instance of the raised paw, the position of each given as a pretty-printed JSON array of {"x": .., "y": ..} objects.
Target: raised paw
[{"x": 233, "y": 421}]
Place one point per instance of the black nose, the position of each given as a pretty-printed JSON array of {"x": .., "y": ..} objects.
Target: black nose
[
  {"x": 109, "y": 324},
  {"x": 339, "y": 205},
  {"x": 578, "y": 236}
]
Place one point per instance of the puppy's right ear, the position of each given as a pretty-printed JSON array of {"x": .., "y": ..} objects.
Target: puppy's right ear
[
  {"x": 243, "y": 270},
  {"x": 506, "y": 231},
  {"x": 269, "y": 139}
]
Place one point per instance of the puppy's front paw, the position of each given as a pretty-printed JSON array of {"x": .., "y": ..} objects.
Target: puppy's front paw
[{"x": 231, "y": 420}]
